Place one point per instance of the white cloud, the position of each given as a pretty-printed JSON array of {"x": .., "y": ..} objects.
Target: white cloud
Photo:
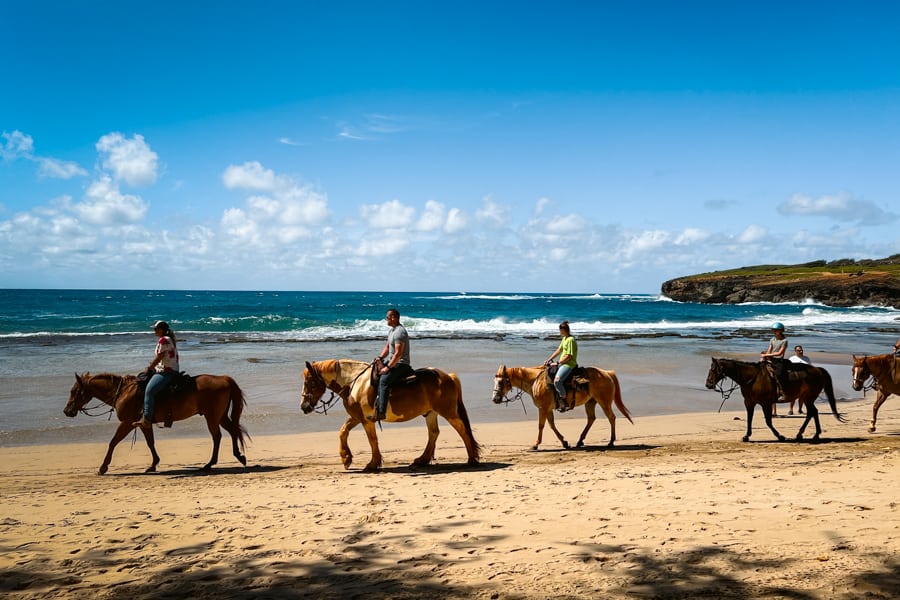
[
  {"x": 16, "y": 145},
  {"x": 752, "y": 234},
  {"x": 491, "y": 211},
  {"x": 129, "y": 160},
  {"x": 564, "y": 225},
  {"x": 841, "y": 207},
  {"x": 456, "y": 221},
  {"x": 250, "y": 176},
  {"x": 273, "y": 223},
  {"x": 104, "y": 204},
  {"x": 59, "y": 169},
  {"x": 691, "y": 236},
  {"x": 433, "y": 217},
  {"x": 388, "y": 215}
]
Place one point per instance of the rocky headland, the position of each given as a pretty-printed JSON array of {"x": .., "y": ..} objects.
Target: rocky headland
[{"x": 844, "y": 283}]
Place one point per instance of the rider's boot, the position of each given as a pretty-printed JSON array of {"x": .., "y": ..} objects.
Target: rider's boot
[{"x": 144, "y": 423}]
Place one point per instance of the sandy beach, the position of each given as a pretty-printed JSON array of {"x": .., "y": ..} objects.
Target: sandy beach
[{"x": 681, "y": 508}]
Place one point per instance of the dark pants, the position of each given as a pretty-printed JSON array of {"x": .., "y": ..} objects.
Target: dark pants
[{"x": 399, "y": 371}]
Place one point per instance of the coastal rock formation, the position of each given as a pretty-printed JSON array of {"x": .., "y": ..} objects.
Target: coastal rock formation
[{"x": 842, "y": 283}]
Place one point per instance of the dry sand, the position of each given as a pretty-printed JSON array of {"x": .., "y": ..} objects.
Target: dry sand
[{"x": 679, "y": 509}]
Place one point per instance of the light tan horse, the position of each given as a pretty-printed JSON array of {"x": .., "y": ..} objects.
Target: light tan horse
[
  {"x": 885, "y": 370},
  {"x": 211, "y": 398},
  {"x": 434, "y": 393},
  {"x": 603, "y": 390}
]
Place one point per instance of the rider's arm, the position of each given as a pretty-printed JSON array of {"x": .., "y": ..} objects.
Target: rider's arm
[{"x": 398, "y": 354}]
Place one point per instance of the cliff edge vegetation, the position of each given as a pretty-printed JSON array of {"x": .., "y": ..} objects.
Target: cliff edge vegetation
[{"x": 844, "y": 282}]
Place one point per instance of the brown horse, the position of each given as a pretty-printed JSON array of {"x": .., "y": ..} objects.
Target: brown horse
[
  {"x": 603, "y": 390},
  {"x": 433, "y": 393},
  {"x": 211, "y": 398},
  {"x": 885, "y": 370},
  {"x": 803, "y": 383}
]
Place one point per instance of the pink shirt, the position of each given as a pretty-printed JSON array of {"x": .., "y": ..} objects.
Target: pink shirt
[{"x": 168, "y": 353}]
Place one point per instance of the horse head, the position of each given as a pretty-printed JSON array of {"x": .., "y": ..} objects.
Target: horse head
[
  {"x": 715, "y": 375},
  {"x": 861, "y": 372},
  {"x": 314, "y": 387},
  {"x": 502, "y": 385},
  {"x": 79, "y": 395}
]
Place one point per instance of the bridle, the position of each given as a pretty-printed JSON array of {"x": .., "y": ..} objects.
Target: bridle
[
  {"x": 83, "y": 396},
  {"x": 337, "y": 391},
  {"x": 719, "y": 386},
  {"x": 505, "y": 380},
  {"x": 863, "y": 374}
]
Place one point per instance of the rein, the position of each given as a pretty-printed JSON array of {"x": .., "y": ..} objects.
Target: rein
[{"x": 516, "y": 398}]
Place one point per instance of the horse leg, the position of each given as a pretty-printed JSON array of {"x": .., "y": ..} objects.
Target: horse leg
[
  {"x": 812, "y": 414},
  {"x": 216, "y": 432},
  {"x": 767, "y": 414},
  {"x": 151, "y": 444},
  {"x": 121, "y": 431},
  {"x": 879, "y": 400},
  {"x": 343, "y": 436},
  {"x": 589, "y": 407},
  {"x": 433, "y": 432},
  {"x": 749, "y": 406},
  {"x": 375, "y": 463},
  {"x": 552, "y": 422},
  {"x": 234, "y": 432}
]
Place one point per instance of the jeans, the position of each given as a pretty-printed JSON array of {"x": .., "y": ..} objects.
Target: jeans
[
  {"x": 399, "y": 371},
  {"x": 560, "y": 382},
  {"x": 156, "y": 384}
]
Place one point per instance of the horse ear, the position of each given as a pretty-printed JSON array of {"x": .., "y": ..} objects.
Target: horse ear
[
  {"x": 309, "y": 366},
  {"x": 78, "y": 378}
]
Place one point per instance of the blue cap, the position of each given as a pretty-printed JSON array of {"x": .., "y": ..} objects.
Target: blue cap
[{"x": 777, "y": 325}]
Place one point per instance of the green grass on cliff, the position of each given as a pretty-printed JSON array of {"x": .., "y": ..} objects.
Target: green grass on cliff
[{"x": 889, "y": 265}]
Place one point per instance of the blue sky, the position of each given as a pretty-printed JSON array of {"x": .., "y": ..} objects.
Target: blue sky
[{"x": 427, "y": 146}]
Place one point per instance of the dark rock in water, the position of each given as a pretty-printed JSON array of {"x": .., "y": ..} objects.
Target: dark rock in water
[{"x": 839, "y": 283}]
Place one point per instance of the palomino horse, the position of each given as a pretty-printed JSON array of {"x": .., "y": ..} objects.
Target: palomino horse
[
  {"x": 433, "y": 393},
  {"x": 603, "y": 390},
  {"x": 211, "y": 398},
  {"x": 885, "y": 370},
  {"x": 803, "y": 383}
]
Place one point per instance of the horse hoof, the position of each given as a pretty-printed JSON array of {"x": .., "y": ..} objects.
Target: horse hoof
[
  {"x": 242, "y": 460},
  {"x": 610, "y": 445},
  {"x": 535, "y": 447},
  {"x": 151, "y": 469},
  {"x": 102, "y": 470},
  {"x": 746, "y": 438},
  {"x": 781, "y": 438},
  {"x": 872, "y": 429},
  {"x": 565, "y": 445},
  {"x": 799, "y": 437},
  {"x": 580, "y": 444},
  {"x": 206, "y": 468}
]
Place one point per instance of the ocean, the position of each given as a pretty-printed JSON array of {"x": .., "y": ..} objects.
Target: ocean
[{"x": 263, "y": 339}]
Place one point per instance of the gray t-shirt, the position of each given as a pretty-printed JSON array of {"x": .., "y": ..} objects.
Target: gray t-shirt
[
  {"x": 398, "y": 334},
  {"x": 777, "y": 344}
]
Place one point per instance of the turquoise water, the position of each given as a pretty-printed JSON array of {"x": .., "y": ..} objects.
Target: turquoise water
[{"x": 360, "y": 315}]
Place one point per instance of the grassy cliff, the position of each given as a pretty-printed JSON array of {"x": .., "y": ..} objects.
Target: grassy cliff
[{"x": 845, "y": 282}]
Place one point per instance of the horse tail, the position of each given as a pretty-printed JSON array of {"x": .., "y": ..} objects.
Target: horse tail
[
  {"x": 829, "y": 393},
  {"x": 617, "y": 398},
  {"x": 464, "y": 415},
  {"x": 238, "y": 402}
]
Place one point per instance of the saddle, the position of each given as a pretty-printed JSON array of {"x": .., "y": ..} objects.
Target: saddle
[
  {"x": 410, "y": 379},
  {"x": 577, "y": 379},
  {"x": 180, "y": 385}
]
